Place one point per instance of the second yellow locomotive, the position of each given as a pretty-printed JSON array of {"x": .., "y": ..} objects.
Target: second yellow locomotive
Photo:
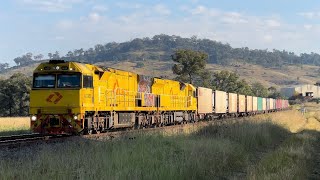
[{"x": 73, "y": 97}]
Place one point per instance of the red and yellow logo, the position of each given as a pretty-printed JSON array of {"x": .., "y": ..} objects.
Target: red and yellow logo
[{"x": 54, "y": 97}]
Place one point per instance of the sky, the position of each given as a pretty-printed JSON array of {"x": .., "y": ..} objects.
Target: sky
[{"x": 42, "y": 26}]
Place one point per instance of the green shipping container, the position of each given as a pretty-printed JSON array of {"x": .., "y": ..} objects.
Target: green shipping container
[{"x": 260, "y": 104}]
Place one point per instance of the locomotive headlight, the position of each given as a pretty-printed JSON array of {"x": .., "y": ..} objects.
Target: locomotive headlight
[
  {"x": 75, "y": 117},
  {"x": 33, "y": 118},
  {"x": 57, "y": 68}
]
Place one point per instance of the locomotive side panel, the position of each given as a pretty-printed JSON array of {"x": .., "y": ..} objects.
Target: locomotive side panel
[{"x": 174, "y": 96}]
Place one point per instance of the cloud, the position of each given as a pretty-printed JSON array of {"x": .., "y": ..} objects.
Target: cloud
[
  {"x": 100, "y": 8},
  {"x": 272, "y": 23},
  {"x": 65, "y": 24},
  {"x": 310, "y": 15},
  {"x": 233, "y": 18},
  {"x": 124, "y": 5},
  {"x": 202, "y": 11},
  {"x": 50, "y": 5},
  {"x": 162, "y": 9},
  {"x": 199, "y": 10},
  {"x": 267, "y": 38},
  {"x": 94, "y": 17},
  {"x": 58, "y": 38},
  {"x": 307, "y": 26}
]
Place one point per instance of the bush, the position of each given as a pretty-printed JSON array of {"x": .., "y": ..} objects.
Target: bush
[{"x": 140, "y": 65}]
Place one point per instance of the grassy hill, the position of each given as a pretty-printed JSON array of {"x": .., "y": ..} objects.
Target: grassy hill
[{"x": 286, "y": 76}]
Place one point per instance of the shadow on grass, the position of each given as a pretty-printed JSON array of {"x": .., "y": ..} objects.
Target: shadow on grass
[{"x": 214, "y": 152}]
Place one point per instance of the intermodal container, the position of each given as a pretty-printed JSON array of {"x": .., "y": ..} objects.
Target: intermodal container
[
  {"x": 274, "y": 104},
  {"x": 241, "y": 103},
  {"x": 205, "y": 100},
  {"x": 232, "y": 103},
  {"x": 254, "y": 104},
  {"x": 264, "y": 104},
  {"x": 220, "y": 102},
  {"x": 268, "y": 104},
  {"x": 249, "y": 106},
  {"x": 283, "y": 103},
  {"x": 278, "y": 105},
  {"x": 260, "y": 104}
]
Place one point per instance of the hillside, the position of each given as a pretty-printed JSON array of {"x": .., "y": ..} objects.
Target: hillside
[
  {"x": 161, "y": 47},
  {"x": 286, "y": 76}
]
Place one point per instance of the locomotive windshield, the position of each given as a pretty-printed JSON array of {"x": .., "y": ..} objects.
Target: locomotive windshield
[
  {"x": 63, "y": 81},
  {"x": 44, "y": 81},
  {"x": 68, "y": 80}
]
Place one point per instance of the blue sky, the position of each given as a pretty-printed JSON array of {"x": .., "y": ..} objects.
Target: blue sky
[{"x": 42, "y": 26}]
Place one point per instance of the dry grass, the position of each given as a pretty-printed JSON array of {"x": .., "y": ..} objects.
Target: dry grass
[
  {"x": 292, "y": 120},
  {"x": 14, "y": 123}
]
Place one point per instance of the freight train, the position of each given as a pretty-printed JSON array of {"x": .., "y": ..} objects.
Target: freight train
[{"x": 73, "y": 97}]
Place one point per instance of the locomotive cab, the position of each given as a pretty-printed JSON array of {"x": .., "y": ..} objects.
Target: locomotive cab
[{"x": 60, "y": 89}]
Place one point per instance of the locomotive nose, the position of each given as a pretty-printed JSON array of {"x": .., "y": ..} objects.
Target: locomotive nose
[{"x": 54, "y": 121}]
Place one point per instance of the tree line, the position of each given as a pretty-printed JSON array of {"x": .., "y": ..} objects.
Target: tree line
[
  {"x": 190, "y": 67},
  {"x": 160, "y": 47}
]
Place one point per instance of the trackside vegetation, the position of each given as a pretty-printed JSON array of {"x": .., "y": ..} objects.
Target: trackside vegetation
[{"x": 246, "y": 149}]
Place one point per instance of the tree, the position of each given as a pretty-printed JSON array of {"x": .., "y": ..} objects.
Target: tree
[
  {"x": 230, "y": 82},
  {"x": 24, "y": 59},
  {"x": 56, "y": 55},
  {"x": 38, "y": 57},
  {"x": 190, "y": 64},
  {"x": 140, "y": 64},
  {"x": 50, "y": 55},
  {"x": 14, "y": 95},
  {"x": 274, "y": 93},
  {"x": 259, "y": 90},
  {"x": 3, "y": 66}
]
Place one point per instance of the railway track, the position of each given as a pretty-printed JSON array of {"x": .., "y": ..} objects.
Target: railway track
[
  {"x": 36, "y": 137},
  {"x": 27, "y": 138}
]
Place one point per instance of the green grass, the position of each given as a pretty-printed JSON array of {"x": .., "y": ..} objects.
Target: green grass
[{"x": 289, "y": 161}]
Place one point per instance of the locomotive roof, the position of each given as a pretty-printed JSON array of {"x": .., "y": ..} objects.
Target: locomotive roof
[{"x": 66, "y": 66}]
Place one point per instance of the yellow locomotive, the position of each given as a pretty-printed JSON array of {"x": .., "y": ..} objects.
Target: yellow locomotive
[{"x": 73, "y": 97}]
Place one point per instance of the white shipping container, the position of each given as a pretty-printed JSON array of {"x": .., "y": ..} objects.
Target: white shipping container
[
  {"x": 220, "y": 102},
  {"x": 249, "y": 104},
  {"x": 232, "y": 103},
  {"x": 241, "y": 103},
  {"x": 254, "y": 103},
  {"x": 205, "y": 103}
]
